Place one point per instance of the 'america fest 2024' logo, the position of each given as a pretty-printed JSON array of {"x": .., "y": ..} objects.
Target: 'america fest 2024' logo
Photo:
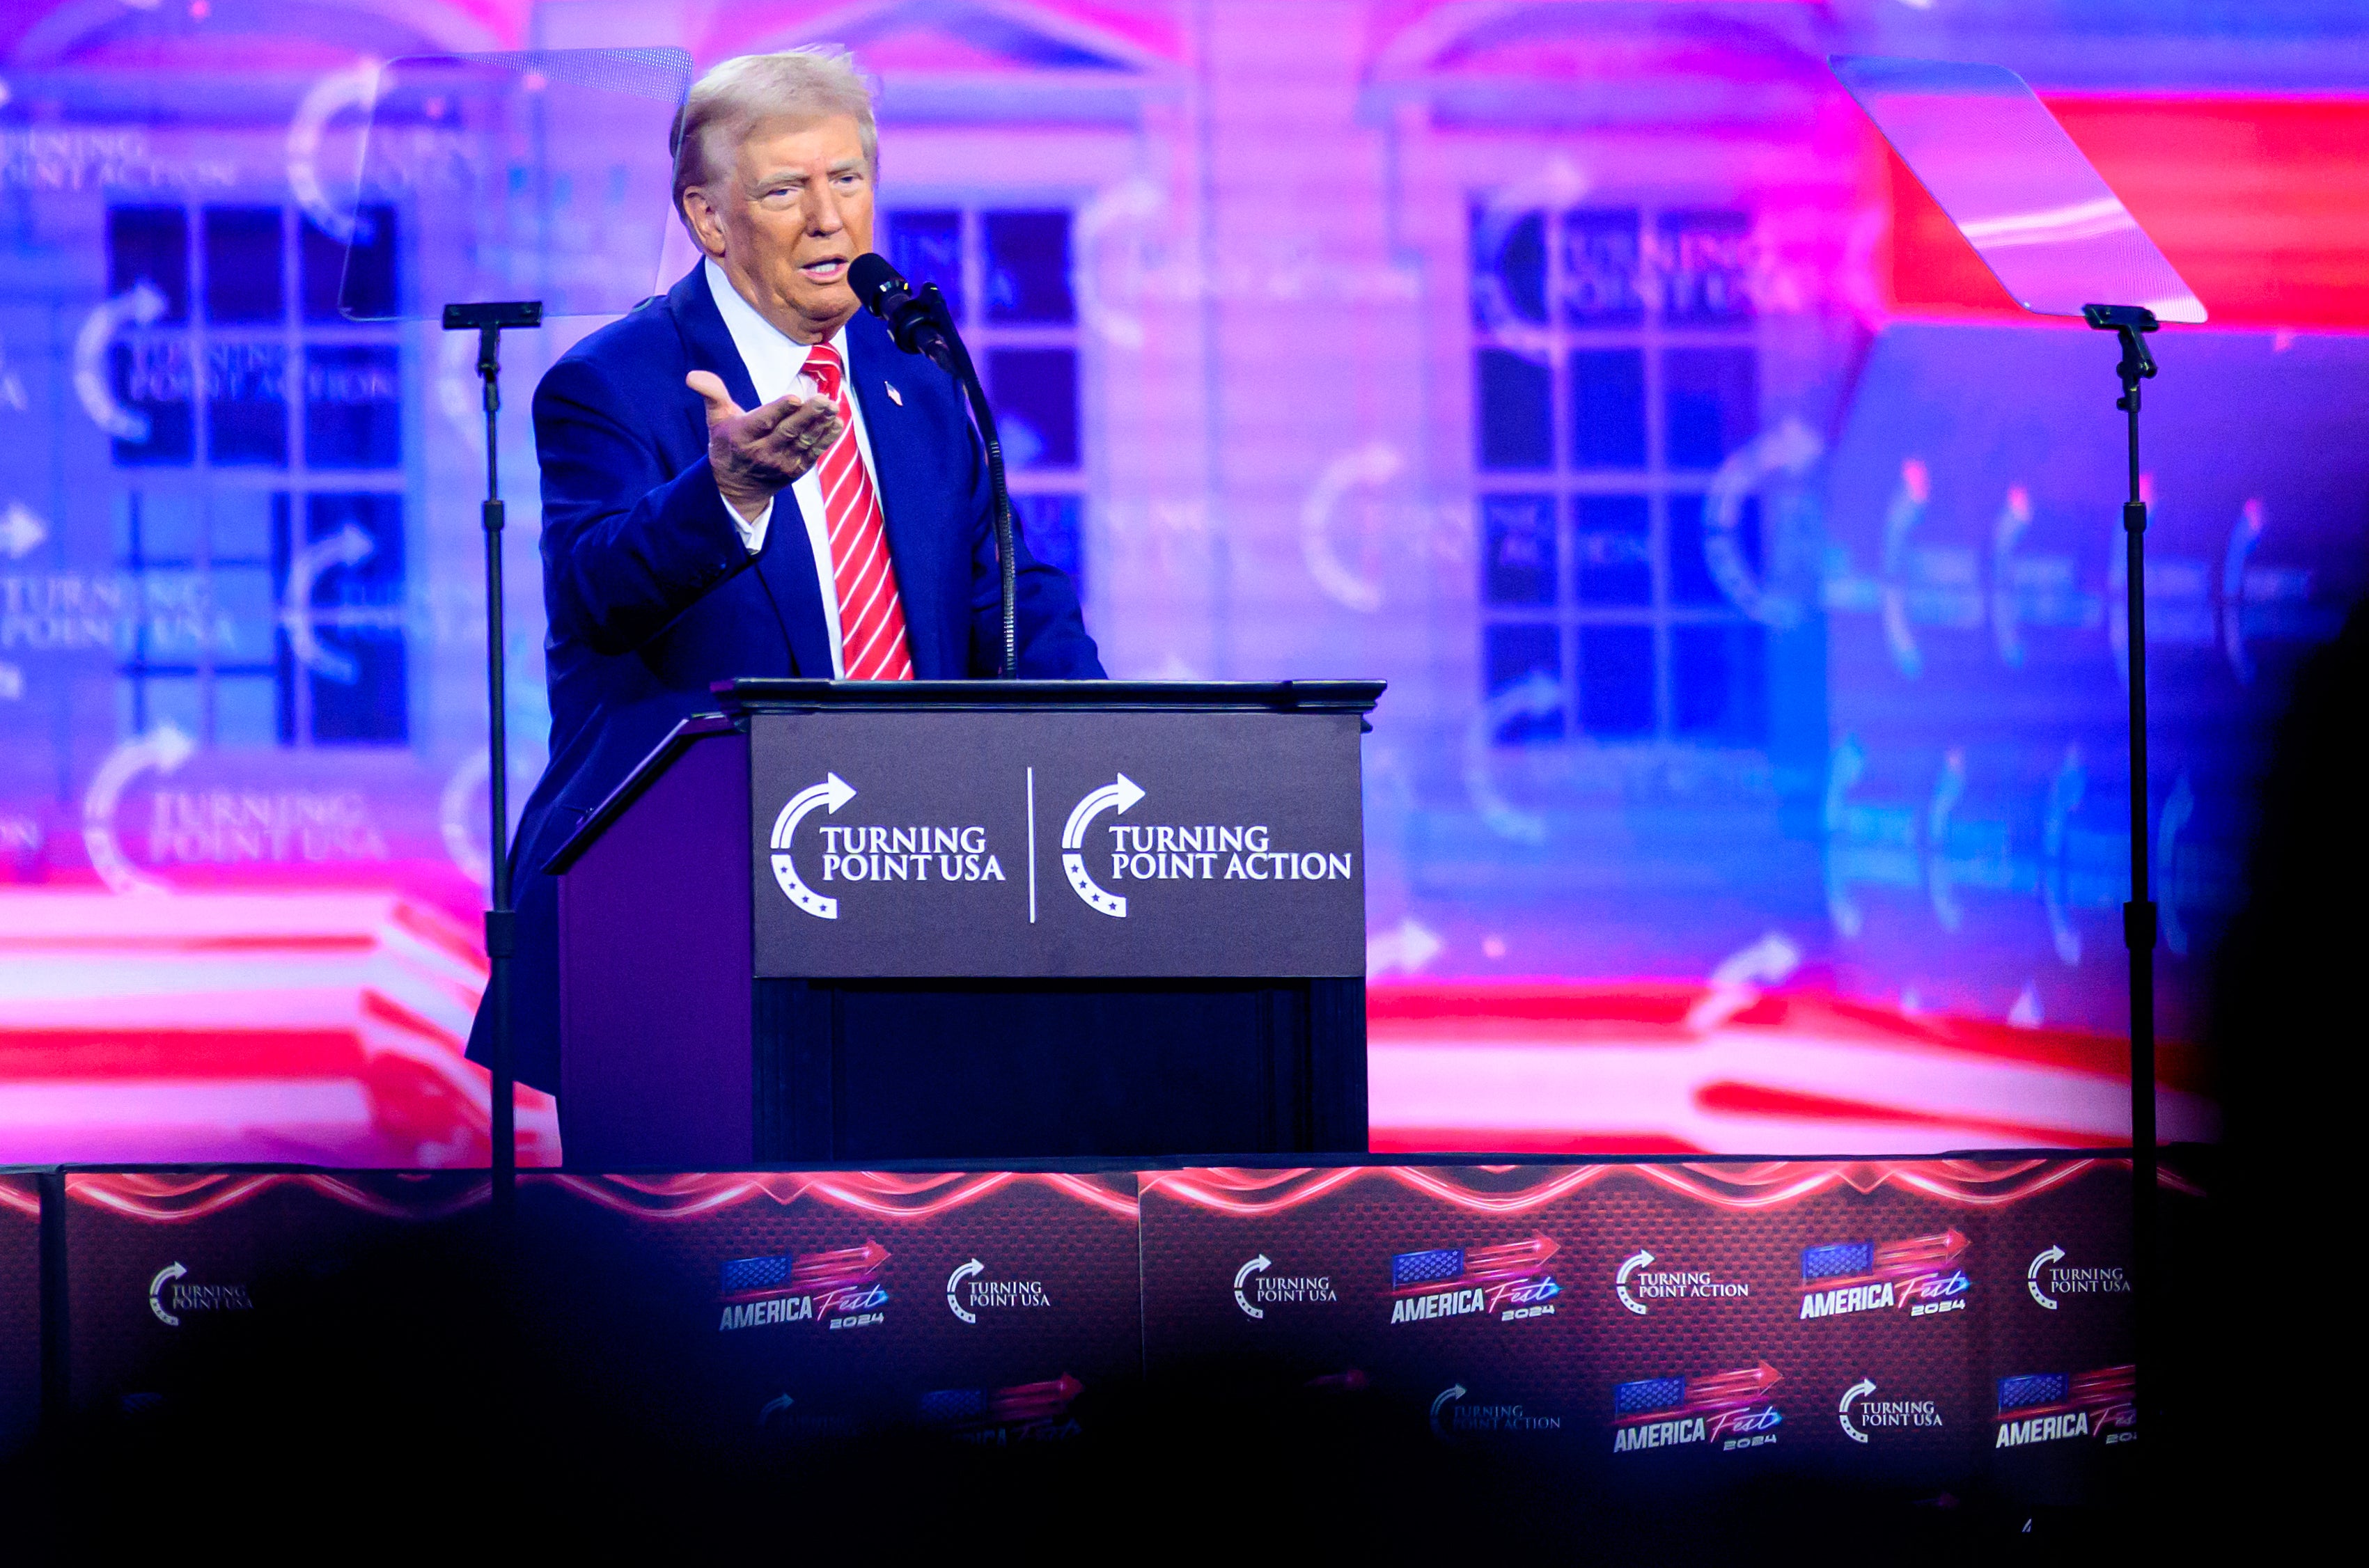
[
  {"x": 841, "y": 1289},
  {"x": 1732, "y": 1409},
  {"x": 1920, "y": 1273},
  {"x": 2049, "y": 1407},
  {"x": 1510, "y": 1280}
]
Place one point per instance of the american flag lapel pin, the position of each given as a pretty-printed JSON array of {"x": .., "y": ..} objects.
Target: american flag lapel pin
[{"x": 894, "y": 396}]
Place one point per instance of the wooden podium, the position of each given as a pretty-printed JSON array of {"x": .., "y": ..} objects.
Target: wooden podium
[{"x": 856, "y": 920}]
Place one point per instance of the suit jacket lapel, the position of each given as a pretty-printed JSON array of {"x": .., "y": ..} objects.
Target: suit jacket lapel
[
  {"x": 873, "y": 357},
  {"x": 707, "y": 342},
  {"x": 786, "y": 563}
]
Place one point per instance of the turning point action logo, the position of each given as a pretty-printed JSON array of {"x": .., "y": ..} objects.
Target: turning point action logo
[
  {"x": 1920, "y": 1274},
  {"x": 1451, "y": 1417},
  {"x": 1450, "y": 1281},
  {"x": 2048, "y": 1278},
  {"x": 1638, "y": 1282},
  {"x": 1167, "y": 853}
]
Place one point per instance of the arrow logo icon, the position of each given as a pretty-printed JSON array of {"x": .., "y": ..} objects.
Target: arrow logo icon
[
  {"x": 348, "y": 546},
  {"x": 165, "y": 1275},
  {"x": 1122, "y": 792},
  {"x": 20, "y": 529},
  {"x": 1629, "y": 1265},
  {"x": 954, "y": 1282},
  {"x": 1842, "y": 1412},
  {"x": 833, "y": 792},
  {"x": 2031, "y": 1277},
  {"x": 1447, "y": 1396},
  {"x": 142, "y": 304},
  {"x": 164, "y": 748},
  {"x": 1258, "y": 1264}
]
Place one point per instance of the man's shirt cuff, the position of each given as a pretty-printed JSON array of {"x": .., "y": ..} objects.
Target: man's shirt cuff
[{"x": 752, "y": 531}]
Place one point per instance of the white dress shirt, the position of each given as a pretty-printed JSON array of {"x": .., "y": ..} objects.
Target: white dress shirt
[{"x": 776, "y": 364}]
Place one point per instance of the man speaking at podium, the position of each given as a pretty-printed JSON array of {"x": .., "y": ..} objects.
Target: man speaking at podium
[{"x": 746, "y": 477}]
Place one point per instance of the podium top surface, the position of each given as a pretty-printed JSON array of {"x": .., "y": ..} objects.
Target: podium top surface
[
  {"x": 753, "y": 695},
  {"x": 747, "y": 697}
]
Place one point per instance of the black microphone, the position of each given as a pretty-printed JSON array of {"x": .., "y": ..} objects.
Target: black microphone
[{"x": 911, "y": 323}]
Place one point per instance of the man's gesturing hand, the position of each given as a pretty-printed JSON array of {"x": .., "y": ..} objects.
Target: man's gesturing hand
[{"x": 758, "y": 452}]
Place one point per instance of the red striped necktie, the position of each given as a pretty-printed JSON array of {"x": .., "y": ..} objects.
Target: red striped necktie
[{"x": 871, "y": 616}]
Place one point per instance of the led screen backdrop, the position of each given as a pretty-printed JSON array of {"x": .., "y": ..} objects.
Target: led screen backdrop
[{"x": 1751, "y": 778}]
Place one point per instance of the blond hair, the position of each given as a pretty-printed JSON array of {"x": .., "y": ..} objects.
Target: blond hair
[{"x": 813, "y": 82}]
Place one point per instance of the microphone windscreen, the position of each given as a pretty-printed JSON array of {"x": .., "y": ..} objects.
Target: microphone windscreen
[{"x": 874, "y": 281}]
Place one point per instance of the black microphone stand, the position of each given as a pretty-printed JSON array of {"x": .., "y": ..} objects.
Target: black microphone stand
[
  {"x": 2133, "y": 322},
  {"x": 489, "y": 319}
]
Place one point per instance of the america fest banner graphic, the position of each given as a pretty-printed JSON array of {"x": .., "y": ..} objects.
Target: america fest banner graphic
[
  {"x": 994, "y": 1307},
  {"x": 1636, "y": 1330},
  {"x": 1656, "y": 1325},
  {"x": 176, "y": 1280}
]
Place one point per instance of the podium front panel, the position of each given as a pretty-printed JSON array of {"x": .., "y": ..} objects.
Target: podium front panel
[{"x": 1057, "y": 844}]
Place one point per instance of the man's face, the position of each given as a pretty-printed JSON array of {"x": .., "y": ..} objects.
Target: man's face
[{"x": 786, "y": 219}]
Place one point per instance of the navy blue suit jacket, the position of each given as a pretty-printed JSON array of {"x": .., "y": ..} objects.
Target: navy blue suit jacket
[{"x": 651, "y": 595}]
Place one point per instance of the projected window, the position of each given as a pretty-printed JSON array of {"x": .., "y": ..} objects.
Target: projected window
[
  {"x": 1615, "y": 370},
  {"x": 1005, "y": 271},
  {"x": 257, "y": 453}
]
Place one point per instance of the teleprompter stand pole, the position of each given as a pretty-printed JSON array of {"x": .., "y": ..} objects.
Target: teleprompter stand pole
[
  {"x": 488, "y": 321},
  {"x": 2131, "y": 323}
]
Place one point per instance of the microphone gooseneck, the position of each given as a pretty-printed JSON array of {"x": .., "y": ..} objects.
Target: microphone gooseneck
[{"x": 922, "y": 325}]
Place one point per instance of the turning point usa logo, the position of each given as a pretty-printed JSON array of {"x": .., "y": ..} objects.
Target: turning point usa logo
[
  {"x": 1731, "y": 1408},
  {"x": 1862, "y": 1413},
  {"x": 913, "y": 852},
  {"x": 841, "y": 1288},
  {"x": 1453, "y": 1282},
  {"x": 1920, "y": 1274},
  {"x": 2048, "y": 1278},
  {"x": 169, "y": 1295}
]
